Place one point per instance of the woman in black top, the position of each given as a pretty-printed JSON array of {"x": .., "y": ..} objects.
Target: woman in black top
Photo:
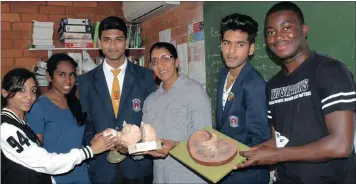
[{"x": 23, "y": 158}]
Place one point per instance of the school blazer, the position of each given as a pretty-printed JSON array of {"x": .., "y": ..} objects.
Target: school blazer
[
  {"x": 96, "y": 102},
  {"x": 244, "y": 118}
]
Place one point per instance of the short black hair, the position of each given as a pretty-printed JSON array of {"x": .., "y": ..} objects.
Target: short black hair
[
  {"x": 112, "y": 22},
  {"x": 165, "y": 45},
  {"x": 243, "y": 23},
  {"x": 171, "y": 48},
  {"x": 13, "y": 82},
  {"x": 286, "y": 6}
]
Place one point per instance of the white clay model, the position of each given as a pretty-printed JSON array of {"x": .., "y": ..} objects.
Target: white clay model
[
  {"x": 130, "y": 134},
  {"x": 148, "y": 133},
  {"x": 109, "y": 131}
]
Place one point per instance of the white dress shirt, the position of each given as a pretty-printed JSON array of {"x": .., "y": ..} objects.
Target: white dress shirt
[
  {"x": 109, "y": 77},
  {"x": 226, "y": 92}
]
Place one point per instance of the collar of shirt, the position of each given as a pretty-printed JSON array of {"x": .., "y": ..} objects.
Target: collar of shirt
[
  {"x": 7, "y": 112},
  {"x": 107, "y": 68},
  {"x": 226, "y": 92},
  {"x": 109, "y": 77},
  {"x": 179, "y": 82}
]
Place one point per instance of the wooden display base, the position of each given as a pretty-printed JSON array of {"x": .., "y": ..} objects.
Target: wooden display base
[{"x": 144, "y": 146}]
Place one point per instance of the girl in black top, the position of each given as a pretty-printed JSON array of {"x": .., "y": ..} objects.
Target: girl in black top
[{"x": 20, "y": 147}]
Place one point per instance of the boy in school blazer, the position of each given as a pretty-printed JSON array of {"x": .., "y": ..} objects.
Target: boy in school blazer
[
  {"x": 241, "y": 101},
  {"x": 95, "y": 87}
]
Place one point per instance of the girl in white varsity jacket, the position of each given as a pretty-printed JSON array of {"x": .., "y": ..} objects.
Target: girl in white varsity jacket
[{"x": 23, "y": 158}]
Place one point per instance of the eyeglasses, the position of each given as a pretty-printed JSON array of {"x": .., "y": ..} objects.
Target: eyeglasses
[{"x": 163, "y": 57}]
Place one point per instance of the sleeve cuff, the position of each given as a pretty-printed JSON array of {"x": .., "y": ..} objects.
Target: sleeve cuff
[
  {"x": 345, "y": 107},
  {"x": 88, "y": 152}
]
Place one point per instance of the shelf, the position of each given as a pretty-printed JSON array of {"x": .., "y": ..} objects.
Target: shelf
[
  {"x": 84, "y": 50},
  {"x": 78, "y": 49},
  {"x": 63, "y": 48},
  {"x": 136, "y": 48}
]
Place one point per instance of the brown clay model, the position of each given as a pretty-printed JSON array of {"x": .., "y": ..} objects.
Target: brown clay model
[{"x": 207, "y": 149}]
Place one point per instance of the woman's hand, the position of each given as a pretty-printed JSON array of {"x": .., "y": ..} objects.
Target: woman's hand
[
  {"x": 167, "y": 145},
  {"x": 102, "y": 143}
]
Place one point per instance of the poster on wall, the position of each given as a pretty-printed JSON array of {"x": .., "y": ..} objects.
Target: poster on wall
[
  {"x": 165, "y": 36},
  {"x": 182, "y": 50},
  {"x": 196, "y": 52}
]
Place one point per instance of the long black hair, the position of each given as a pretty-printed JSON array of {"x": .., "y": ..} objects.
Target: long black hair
[
  {"x": 72, "y": 100},
  {"x": 14, "y": 81}
]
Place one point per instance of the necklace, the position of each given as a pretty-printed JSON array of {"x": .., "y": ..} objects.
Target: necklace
[
  {"x": 230, "y": 81},
  {"x": 231, "y": 77}
]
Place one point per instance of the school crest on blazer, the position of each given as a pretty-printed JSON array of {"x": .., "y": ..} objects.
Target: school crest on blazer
[
  {"x": 136, "y": 104},
  {"x": 234, "y": 121}
]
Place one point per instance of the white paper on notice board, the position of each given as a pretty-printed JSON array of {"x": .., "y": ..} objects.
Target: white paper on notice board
[
  {"x": 183, "y": 58},
  {"x": 197, "y": 62},
  {"x": 165, "y": 36}
]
